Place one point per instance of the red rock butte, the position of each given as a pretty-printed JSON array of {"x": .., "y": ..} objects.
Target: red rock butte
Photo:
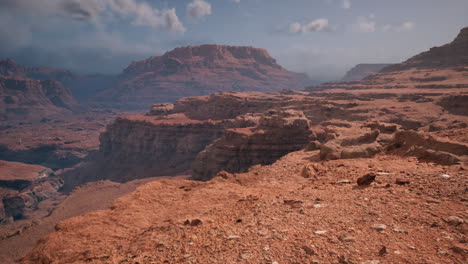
[{"x": 198, "y": 70}]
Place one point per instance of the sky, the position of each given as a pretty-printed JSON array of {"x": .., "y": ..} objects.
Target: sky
[{"x": 322, "y": 38}]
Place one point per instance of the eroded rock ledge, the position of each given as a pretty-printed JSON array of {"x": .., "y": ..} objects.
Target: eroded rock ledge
[{"x": 277, "y": 134}]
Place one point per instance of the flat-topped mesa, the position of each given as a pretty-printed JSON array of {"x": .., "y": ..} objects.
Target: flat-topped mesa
[
  {"x": 277, "y": 134},
  {"x": 204, "y": 56},
  {"x": 34, "y": 99},
  {"x": 9, "y": 67},
  {"x": 454, "y": 54},
  {"x": 199, "y": 70}
]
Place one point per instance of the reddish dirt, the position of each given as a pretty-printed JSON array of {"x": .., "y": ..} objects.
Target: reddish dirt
[
  {"x": 19, "y": 237},
  {"x": 272, "y": 213}
]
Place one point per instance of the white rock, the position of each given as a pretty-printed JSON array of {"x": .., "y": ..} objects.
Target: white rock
[
  {"x": 320, "y": 232},
  {"x": 445, "y": 176}
]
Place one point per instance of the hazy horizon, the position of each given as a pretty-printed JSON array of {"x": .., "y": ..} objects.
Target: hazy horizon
[{"x": 322, "y": 38}]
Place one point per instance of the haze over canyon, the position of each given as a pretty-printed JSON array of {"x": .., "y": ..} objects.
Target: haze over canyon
[{"x": 154, "y": 146}]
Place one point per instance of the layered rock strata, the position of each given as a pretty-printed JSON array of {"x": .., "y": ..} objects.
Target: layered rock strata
[
  {"x": 22, "y": 187},
  {"x": 198, "y": 70},
  {"x": 277, "y": 134}
]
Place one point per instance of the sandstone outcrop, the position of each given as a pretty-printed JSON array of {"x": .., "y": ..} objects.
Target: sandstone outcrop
[
  {"x": 277, "y": 134},
  {"x": 363, "y": 70},
  {"x": 22, "y": 98},
  {"x": 361, "y": 146},
  {"x": 455, "y": 104},
  {"x": 22, "y": 187},
  {"x": 198, "y": 70},
  {"x": 429, "y": 148},
  {"x": 136, "y": 147}
]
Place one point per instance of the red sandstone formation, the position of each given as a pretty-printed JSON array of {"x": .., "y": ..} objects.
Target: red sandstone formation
[
  {"x": 22, "y": 98},
  {"x": 277, "y": 134},
  {"x": 22, "y": 187},
  {"x": 363, "y": 70},
  {"x": 198, "y": 70}
]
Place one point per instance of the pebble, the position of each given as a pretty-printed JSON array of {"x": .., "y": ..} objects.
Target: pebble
[
  {"x": 379, "y": 227},
  {"x": 343, "y": 182},
  {"x": 399, "y": 229},
  {"x": 366, "y": 179},
  {"x": 383, "y": 251},
  {"x": 371, "y": 262},
  {"x": 347, "y": 239},
  {"x": 320, "y": 232},
  {"x": 232, "y": 237},
  {"x": 454, "y": 220},
  {"x": 402, "y": 181},
  {"x": 445, "y": 176}
]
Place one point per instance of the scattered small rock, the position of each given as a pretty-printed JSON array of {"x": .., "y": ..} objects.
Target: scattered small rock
[
  {"x": 454, "y": 220},
  {"x": 460, "y": 249},
  {"x": 232, "y": 237},
  {"x": 320, "y": 232},
  {"x": 383, "y": 251},
  {"x": 402, "y": 181},
  {"x": 398, "y": 229},
  {"x": 343, "y": 182},
  {"x": 344, "y": 260},
  {"x": 379, "y": 227},
  {"x": 366, "y": 179},
  {"x": 194, "y": 222},
  {"x": 346, "y": 239},
  {"x": 308, "y": 250},
  {"x": 371, "y": 262}
]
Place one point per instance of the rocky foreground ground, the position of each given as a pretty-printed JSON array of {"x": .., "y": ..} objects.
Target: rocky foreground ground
[{"x": 414, "y": 212}]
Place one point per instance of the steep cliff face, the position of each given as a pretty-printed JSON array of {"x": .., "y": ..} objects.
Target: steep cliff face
[
  {"x": 453, "y": 54},
  {"x": 198, "y": 70},
  {"x": 136, "y": 147},
  {"x": 22, "y": 98},
  {"x": 22, "y": 187},
  {"x": 277, "y": 134},
  {"x": 363, "y": 70}
]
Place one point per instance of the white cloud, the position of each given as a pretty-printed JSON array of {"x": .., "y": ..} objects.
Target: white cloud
[
  {"x": 406, "y": 26},
  {"x": 198, "y": 9},
  {"x": 139, "y": 12},
  {"x": 346, "y": 4},
  {"x": 316, "y": 25},
  {"x": 295, "y": 28},
  {"x": 364, "y": 24}
]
